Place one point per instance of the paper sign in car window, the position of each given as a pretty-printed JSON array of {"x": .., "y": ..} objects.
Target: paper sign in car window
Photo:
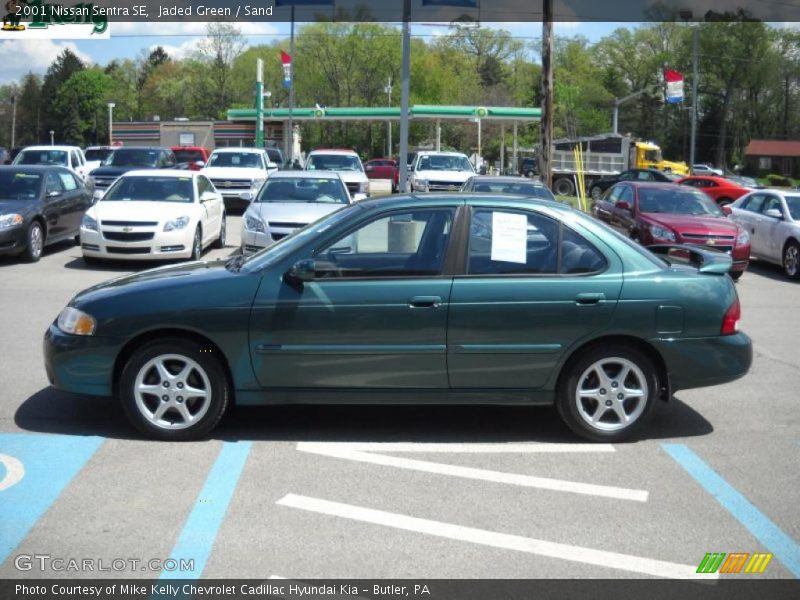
[{"x": 509, "y": 237}]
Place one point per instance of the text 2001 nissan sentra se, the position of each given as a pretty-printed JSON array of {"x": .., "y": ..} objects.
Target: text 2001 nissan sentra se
[{"x": 412, "y": 299}]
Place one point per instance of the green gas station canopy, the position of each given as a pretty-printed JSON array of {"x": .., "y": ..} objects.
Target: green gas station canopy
[{"x": 504, "y": 113}]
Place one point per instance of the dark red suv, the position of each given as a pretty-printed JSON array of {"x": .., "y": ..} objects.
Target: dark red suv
[
  {"x": 383, "y": 168},
  {"x": 667, "y": 213}
]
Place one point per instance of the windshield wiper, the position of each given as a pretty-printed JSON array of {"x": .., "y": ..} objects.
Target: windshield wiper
[{"x": 235, "y": 263}]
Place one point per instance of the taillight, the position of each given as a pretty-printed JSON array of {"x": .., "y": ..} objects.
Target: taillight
[{"x": 730, "y": 322}]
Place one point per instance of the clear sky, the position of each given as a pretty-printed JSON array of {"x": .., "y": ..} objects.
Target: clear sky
[{"x": 128, "y": 39}]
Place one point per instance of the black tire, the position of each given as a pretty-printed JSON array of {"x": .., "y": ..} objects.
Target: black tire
[
  {"x": 214, "y": 382},
  {"x": 791, "y": 260},
  {"x": 529, "y": 174},
  {"x": 78, "y": 239},
  {"x": 636, "y": 237},
  {"x": 563, "y": 187},
  {"x": 220, "y": 241},
  {"x": 581, "y": 371},
  {"x": 596, "y": 193},
  {"x": 34, "y": 242},
  {"x": 197, "y": 244},
  {"x": 736, "y": 275},
  {"x": 724, "y": 202}
]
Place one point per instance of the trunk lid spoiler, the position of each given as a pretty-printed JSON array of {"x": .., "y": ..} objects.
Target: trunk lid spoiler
[{"x": 703, "y": 259}]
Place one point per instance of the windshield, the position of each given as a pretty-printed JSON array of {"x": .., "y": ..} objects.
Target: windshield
[
  {"x": 97, "y": 154},
  {"x": 132, "y": 158},
  {"x": 689, "y": 202},
  {"x": 290, "y": 243},
  {"x": 303, "y": 189},
  {"x": 41, "y": 157},
  {"x": 188, "y": 156},
  {"x": 334, "y": 162},
  {"x": 444, "y": 163},
  {"x": 151, "y": 189},
  {"x": 17, "y": 185},
  {"x": 509, "y": 187},
  {"x": 793, "y": 202},
  {"x": 235, "y": 159}
]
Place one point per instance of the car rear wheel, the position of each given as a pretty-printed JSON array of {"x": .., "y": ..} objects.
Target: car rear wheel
[
  {"x": 563, "y": 187},
  {"x": 596, "y": 193},
  {"x": 791, "y": 260},
  {"x": 736, "y": 275},
  {"x": 608, "y": 393},
  {"x": 173, "y": 389},
  {"x": 220, "y": 243},
  {"x": 35, "y": 243}
]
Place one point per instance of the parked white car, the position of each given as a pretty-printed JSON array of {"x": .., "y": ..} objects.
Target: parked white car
[
  {"x": 772, "y": 217},
  {"x": 439, "y": 171},
  {"x": 238, "y": 173},
  {"x": 703, "y": 169},
  {"x": 288, "y": 201},
  {"x": 63, "y": 156},
  {"x": 155, "y": 214},
  {"x": 347, "y": 164}
]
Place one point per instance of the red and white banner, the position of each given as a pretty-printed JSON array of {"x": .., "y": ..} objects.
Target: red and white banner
[
  {"x": 674, "y": 81},
  {"x": 286, "y": 59}
]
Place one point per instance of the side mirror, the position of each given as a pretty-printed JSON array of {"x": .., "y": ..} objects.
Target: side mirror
[
  {"x": 199, "y": 164},
  {"x": 774, "y": 213},
  {"x": 623, "y": 205},
  {"x": 208, "y": 196},
  {"x": 301, "y": 271},
  {"x": 727, "y": 210},
  {"x": 53, "y": 194}
]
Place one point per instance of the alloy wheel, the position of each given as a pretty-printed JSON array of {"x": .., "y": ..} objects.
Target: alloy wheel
[
  {"x": 36, "y": 241},
  {"x": 791, "y": 260},
  {"x": 611, "y": 394},
  {"x": 172, "y": 391}
]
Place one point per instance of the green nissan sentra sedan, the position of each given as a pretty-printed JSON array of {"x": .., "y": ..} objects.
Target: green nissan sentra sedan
[{"x": 412, "y": 299}]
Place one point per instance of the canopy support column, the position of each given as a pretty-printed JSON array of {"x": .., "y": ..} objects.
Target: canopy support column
[
  {"x": 502, "y": 148},
  {"x": 515, "y": 161},
  {"x": 438, "y": 135}
]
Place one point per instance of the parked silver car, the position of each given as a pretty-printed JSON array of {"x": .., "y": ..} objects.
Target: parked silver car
[
  {"x": 773, "y": 219},
  {"x": 288, "y": 201}
]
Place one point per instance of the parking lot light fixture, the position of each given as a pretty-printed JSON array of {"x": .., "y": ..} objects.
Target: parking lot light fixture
[{"x": 111, "y": 106}]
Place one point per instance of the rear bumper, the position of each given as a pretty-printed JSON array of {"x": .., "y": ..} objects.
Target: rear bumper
[
  {"x": 79, "y": 364},
  {"x": 701, "y": 362}
]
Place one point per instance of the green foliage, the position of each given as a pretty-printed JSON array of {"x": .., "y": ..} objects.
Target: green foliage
[{"x": 80, "y": 106}]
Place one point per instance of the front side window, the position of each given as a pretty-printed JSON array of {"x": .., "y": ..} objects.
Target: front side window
[
  {"x": 53, "y": 184},
  {"x": 754, "y": 203},
  {"x": 645, "y": 176},
  {"x": 773, "y": 202},
  {"x": 68, "y": 181},
  {"x": 407, "y": 244},
  {"x": 507, "y": 242}
]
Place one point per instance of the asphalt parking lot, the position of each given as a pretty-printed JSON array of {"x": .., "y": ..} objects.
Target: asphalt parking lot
[{"x": 394, "y": 492}]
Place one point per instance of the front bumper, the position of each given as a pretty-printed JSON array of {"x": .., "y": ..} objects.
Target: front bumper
[
  {"x": 701, "y": 362},
  {"x": 13, "y": 239},
  {"x": 238, "y": 199},
  {"x": 165, "y": 245},
  {"x": 80, "y": 364}
]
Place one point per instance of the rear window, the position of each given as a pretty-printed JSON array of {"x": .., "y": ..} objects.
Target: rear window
[
  {"x": 128, "y": 157},
  {"x": 188, "y": 156}
]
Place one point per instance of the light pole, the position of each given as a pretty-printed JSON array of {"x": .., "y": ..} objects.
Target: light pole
[
  {"x": 388, "y": 89},
  {"x": 14, "y": 119},
  {"x": 686, "y": 15},
  {"x": 52, "y": 142},
  {"x": 111, "y": 106}
]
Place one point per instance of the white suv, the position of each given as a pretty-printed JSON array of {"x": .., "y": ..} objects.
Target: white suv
[
  {"x": 347, "y": 164},
  {"x": 238, "y": 173},
  {"x": 439, "y": 171}
]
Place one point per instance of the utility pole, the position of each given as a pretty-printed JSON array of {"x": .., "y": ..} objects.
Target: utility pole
[
  {"x": 693, "y": 135},
  {"x": 404, "y": 91},
  {"x": 259, "y": 103},
  {"x": 545, "y": 167},
  {"x": 290, "y": 149},
  {"x": 14, "y": 119},
  {"x": 388, "y": 90},
  {"x": 111, "y": 106}
]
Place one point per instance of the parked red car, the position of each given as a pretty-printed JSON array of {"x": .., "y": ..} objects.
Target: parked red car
[
  {"x": 188, "y": 157},
  {"x": 383, "y": 168},
  {"x": 722, "y": 191},
  {"x": 667, "y": 213}
]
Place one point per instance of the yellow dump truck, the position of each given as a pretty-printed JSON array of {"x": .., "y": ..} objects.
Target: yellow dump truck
[{"x": 605, "y": 155}]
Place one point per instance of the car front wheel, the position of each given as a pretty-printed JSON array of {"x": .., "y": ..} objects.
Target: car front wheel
[
  {"x": 791, "y": 260},
  {"x": 220, "y": 243},
  {"x": 197, "y": 245},
  {"x": 35, "y": 243},
  {"x": 174, "y": 389},
  {"x": 608, "y": 393}
]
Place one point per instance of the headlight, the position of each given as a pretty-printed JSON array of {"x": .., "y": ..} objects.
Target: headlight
[
  {"x": 421, "y": 183},
  {"x": 89, "y": 223},
  {"x": 179, "y": 223},
  {"x": 254, "y": 224},
  {"x": 363, "y": 187},
  {"x": 743, "y": 238},
  {"x": 76, "y": 322},
  {"x": 662, "y": 233},
  {"x": 10, "y": 220}
]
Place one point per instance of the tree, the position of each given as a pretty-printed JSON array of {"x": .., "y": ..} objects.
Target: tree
[
  {"x": 29, "y": 105},
  {"x": 81, "y": 104},
  {"x": 62, "y": 68},
  {"x": 218, "y": 51}
]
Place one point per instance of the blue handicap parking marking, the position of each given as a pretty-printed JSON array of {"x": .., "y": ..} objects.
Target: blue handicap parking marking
[{"x": 35, "y": 470}]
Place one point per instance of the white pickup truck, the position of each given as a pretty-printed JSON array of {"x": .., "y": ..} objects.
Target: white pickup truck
[
  {"x": 439, "y": 171},
  {"x": 63, "y": 156},
  {"x": 238, "y": 173}
]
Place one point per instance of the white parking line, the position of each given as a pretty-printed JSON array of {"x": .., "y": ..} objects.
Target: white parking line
[
  {"x": 581, "y": 554},
  {"x": 498, "y": 448},
  {"x": 560, "y": 485}
]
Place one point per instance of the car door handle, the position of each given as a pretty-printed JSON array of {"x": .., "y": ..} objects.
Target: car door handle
[
  {"x": 424, "y": 302},
  {"x": 589, "y": 298}
]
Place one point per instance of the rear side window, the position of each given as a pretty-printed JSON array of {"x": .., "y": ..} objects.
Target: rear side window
[
  {"x": 68, "y": 181},
  {"x": 507, "y": 242}
]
